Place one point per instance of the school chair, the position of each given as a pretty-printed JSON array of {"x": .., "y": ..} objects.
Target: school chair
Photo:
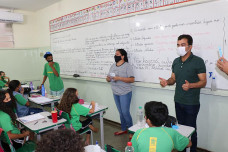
[
  {"x": 68, "y": 124},
  {"x": 109, "y": 148},
  {"x": 5, "y": 138}
]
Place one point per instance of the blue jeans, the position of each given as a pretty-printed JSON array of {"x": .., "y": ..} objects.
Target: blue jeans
[
  {"x": 57, "y": 93},
  {"x": 187, "y": 115},
  {"x": 123, "y": 105}
]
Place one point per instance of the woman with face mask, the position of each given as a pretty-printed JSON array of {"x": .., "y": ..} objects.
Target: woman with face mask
[
  {"x": 120, "y": 76},
  {"x": 8, "y": 124}
]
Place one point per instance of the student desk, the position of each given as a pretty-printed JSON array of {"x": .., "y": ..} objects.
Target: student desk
[
  {"x": 186, "y": 131},
  {"x": 54, "y": 100},
  {"x": 100, "y": 111},
  {"x": 42, "y": 125}
]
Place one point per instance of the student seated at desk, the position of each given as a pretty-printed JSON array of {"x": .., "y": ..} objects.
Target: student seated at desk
[
  {"x": 3, "y": 82},
  {"x": 23, "y": 108},
  {"x": 62, "y": 140},
  {"x": 157, "y": 138},
  {"x": 4, "y": 78},
  {"x": 8, "y": 124},
  {"x": 69, "y": 103}
]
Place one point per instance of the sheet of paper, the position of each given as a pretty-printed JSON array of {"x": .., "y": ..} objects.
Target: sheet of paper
[
  {"x": 90, "y": 106},
  {"x": 31, "y": 118},
  {"x": 41, "y": 99},
  {"x": 25, "y": 86}
]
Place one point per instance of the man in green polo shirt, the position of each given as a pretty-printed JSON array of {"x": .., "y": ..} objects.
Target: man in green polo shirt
[
  {"x": 52, "y": 71},
  {"x": 189, "y": 74}
]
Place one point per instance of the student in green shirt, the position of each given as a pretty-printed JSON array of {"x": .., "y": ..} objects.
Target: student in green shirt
[
  {"x": 3, "y": 82},
  {"x": 17, "y": 92},
  {"x": 157, "y": 138},
  {"x": 8, "y": 124},
  {"x": 52, "y": 72},
  {"x": 69, "y": 103}
]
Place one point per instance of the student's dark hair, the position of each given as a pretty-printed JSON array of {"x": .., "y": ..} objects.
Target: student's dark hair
[
  {"x": 186, "y": 36},
  {"x": 47, "y": 55},
  {"x": 156, "y": 112},
  {"x": 62, "y": 140},
  {"x": 5, "y": 108},
  {"x": 68, "y": 99},
  {"x": 1, "y": 72},
  {"x": 123, "y": 53}
]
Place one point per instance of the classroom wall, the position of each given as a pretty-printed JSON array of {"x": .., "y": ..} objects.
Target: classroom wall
[{"x": 34, "y": 32}]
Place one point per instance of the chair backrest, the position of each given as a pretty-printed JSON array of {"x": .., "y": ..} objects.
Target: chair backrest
[
  {"x": 66, "y": 116},
  {"x": 5, "y": 138},
  {"x": 112, "y": 149}
]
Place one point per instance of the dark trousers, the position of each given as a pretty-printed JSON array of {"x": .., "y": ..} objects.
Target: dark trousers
[
  {"x": 187, "y": 115},
  {"x": 85, "y": 124}
]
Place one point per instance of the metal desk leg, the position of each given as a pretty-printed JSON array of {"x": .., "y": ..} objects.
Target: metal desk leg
[
  {"x": 102, "y": 129},
  {"x": 52, "y": 105},
  {"x": 38, "y": 136}
]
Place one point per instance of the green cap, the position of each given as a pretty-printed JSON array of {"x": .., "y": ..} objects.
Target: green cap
[{"x": 140, "y": 107}]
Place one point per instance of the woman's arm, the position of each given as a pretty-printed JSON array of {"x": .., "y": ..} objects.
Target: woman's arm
[{"x": 126, "y": 80}]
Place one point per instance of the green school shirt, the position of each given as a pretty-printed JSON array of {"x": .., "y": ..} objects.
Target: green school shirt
[
  {"x": 187, "y": 70},
  {"x": 158, "y": 139},
  {"x": 20, "y": 99},
  {"x": 2, "y": 84},
  {"x": 6, "y": 123},
  {"x": 77, "y": 110},
  {"x": 56, "y": 83},
  {"x": 3, "y": 79}
]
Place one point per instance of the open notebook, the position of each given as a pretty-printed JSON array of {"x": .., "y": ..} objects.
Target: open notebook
[{"x": 31, "y": 118}]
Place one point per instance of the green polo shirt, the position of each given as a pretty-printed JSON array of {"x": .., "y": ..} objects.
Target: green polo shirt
[
  {"x": 2, "y": 84},
  {"x": 77, "y": 110},
  {"x": 3, "y": 79},
  {"x": 6, "y": 123},
  {"x": 56, "y": 83},
  {"x": 158, "y": 139},
  {"x": 187, "y": 70}
]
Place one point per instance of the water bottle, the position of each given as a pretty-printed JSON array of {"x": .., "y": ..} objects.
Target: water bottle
[
  {"x": 140, "y": 117},
  {"x": 129, "y": 147},
  {"x": 97, "y": 148},
  {"x": 43, "y": 91},
  {"x": 31, "y": 86},
  {"x": 213, "y": 84}
]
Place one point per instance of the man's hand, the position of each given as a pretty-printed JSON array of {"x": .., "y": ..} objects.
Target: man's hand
[
  {"x": 186, "y": 86},
  {"x": 51, "y": 64},
  {"x": 223, "y": 65},
  {"x": 163, "y": 82}
]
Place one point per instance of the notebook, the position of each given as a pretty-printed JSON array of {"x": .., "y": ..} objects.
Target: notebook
[{"x": 31, "y": 118}]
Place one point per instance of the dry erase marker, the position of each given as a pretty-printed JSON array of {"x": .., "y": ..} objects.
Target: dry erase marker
[{"x": 220, "y": 52}]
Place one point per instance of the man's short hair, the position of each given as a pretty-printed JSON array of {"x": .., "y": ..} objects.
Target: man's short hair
[
  {"x": 186, "y": 36},
  {"x": 156, "y": 112}
]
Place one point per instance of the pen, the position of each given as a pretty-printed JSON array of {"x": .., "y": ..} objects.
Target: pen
[
  {"x": 89, "y": 106},
  {"x": 35, "y": 122}
]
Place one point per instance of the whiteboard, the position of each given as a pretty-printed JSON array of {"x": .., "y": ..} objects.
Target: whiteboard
[{"x": 149, "y": 39}]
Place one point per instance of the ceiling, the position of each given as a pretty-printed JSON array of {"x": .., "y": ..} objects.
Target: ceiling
[{"x": 29, "y": 5}]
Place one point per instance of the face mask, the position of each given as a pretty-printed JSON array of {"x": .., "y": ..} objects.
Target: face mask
[
  {"x": 181, "y": 51},
  {"x": 50, "y": 61},
  {"x": 117, "y": 58}
]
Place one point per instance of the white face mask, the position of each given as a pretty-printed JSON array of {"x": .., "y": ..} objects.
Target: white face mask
[{"x": 181, "y": 51}]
